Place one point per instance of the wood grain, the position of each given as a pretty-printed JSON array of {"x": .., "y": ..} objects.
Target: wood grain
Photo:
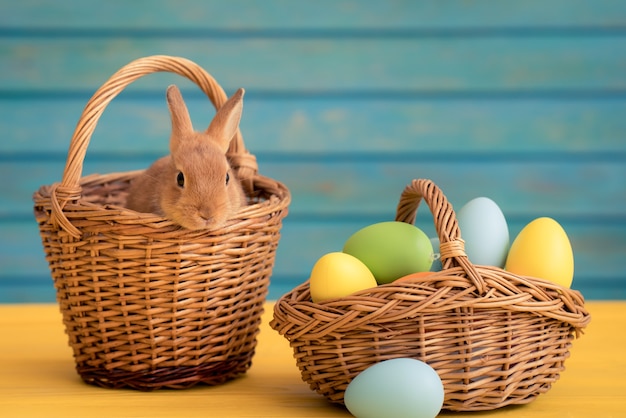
[
  {"x": 322, "y": 14},
  {"x": 328, "y": 124},
  {"x": 346, "y": 104},
  {"x": 39, "y": 379},
  {"x": 474, "y": 64}
]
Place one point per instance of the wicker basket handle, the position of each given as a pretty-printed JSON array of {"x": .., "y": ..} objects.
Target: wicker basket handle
[
  {"x": 452, "y": 246},
  {"x": 69, "y": 189}
]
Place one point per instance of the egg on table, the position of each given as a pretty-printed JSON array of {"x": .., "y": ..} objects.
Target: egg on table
[{"x": 401, "y": 387}]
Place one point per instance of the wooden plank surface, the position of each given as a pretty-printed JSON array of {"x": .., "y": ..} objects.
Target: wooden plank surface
[
  {"x": 424, "y": 125},
  {"x": 322, "y": 14},
  {"x": 346, "y": 103},
  {"x": 38, "y": 378},
  {"x": 440, "y": 64}
]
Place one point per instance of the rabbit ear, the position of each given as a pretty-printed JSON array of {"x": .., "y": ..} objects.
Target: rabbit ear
[
  {"x": 226, "y": 121},
  {"x": 181, "y": 122}
]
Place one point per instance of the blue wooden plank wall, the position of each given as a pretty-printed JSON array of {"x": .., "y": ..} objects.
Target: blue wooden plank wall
[{"x": 347, "y": 101}]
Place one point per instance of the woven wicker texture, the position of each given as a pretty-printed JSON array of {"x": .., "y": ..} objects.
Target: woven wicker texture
[
  {"x": 147, "y": 304},
  {"x": 493, "y": 337}
]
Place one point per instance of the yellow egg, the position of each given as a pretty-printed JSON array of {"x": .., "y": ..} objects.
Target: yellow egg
[
  {"x": 336, "y": 275},
  {"x": 542, "y": 249}
]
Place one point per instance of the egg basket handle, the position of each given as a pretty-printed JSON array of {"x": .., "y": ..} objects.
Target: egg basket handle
[{"x": 452, "y": 246}]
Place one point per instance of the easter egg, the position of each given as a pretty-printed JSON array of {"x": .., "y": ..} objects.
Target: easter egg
[
  {"x": 336, "y": 275},
  {"x": 485, "y": 232},
  {"x": 542, "y": 249},
  {"x": 391, "y": 249},
  {"x": 401, "y": 387}
]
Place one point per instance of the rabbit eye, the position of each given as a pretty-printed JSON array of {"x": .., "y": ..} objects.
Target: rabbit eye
[
  {"x": 227, "y": 178},
  {"x": 180, "y": 179}
]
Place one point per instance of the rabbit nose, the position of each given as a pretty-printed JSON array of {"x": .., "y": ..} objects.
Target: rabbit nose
[{"x": 205, "y": 216}]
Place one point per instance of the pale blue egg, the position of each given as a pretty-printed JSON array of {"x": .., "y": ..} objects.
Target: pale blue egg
[
  {"x": 396, "y": 388},
  {"x": 485, "y": 232}
]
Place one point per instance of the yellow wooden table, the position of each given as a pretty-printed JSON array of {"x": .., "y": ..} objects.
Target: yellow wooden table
[{"x": 37, "y": 378}]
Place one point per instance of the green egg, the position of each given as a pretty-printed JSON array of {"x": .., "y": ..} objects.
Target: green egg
[{"x": 391, "y": 250}]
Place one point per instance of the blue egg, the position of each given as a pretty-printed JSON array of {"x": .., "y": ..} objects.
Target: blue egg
[
  {"x": 485, "y": 232},
  {"x": 396, "y": 388}
]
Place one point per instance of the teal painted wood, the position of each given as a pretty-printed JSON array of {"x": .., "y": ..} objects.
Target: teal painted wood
[
  {"x": 583, "y": 190},
  {"x": 346, "y": 103},
  {"x": 334, "y": 125},
  {"x": 321, "y": 14},
  {"x": 576, "y": 62}
]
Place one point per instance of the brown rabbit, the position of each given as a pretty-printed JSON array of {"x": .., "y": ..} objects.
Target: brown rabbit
[{"x": 194, "y": 186}]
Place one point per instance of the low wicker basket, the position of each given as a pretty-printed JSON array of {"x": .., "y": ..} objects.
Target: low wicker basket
[
  {"x": 147, "y": 304},
  {"x": 494, "y": 338}
]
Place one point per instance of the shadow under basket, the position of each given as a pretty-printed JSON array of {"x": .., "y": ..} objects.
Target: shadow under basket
[
  {"x": 494, "y": 338},
  {"x": 147, "y": 304}
]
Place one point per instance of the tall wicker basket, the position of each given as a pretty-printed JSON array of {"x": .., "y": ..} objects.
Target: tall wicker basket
[
  {"x": 493, "y": 337},
  {"x": 147, "y": 304}
]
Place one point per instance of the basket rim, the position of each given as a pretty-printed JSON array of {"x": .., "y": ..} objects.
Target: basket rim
[
  {"x": 546, "y": 300},
  {"x": 276, "y": 201}
]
